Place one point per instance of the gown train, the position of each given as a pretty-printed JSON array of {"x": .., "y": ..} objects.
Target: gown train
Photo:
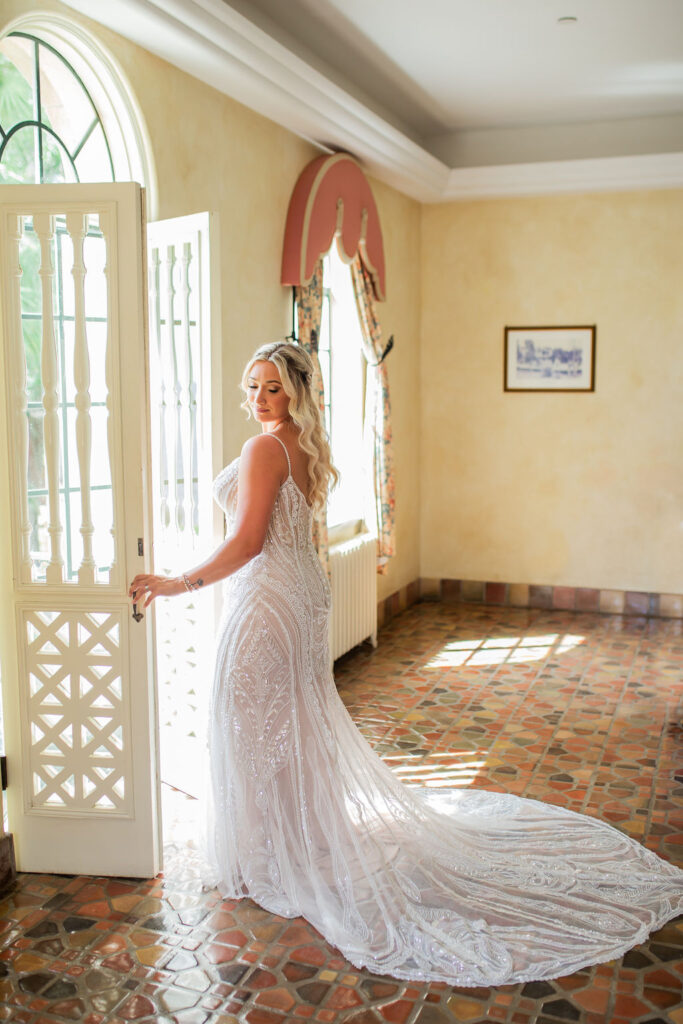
[{"x": 467, "y": 887}]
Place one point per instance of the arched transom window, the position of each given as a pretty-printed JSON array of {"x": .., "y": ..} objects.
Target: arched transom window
[{"x": 50, "y": 129}]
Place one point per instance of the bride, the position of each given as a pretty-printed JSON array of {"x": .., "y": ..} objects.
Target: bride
[{"x": 304, "y": 818}]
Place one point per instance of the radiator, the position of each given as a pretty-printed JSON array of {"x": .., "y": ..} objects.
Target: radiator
[{"x": 354, "y": 594}]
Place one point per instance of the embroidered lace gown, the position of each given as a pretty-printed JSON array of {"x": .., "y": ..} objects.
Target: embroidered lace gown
[{"x": 307, "y": 820}]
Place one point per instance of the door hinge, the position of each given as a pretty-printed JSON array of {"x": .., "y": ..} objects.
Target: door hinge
[
  {"x": 141, "y": 546},
  {"x": 3, "y": 771}
]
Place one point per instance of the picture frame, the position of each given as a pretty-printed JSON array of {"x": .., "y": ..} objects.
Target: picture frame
[{"x": 549, "y": 358}]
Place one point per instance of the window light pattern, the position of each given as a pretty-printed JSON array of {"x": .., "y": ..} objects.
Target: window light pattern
[{"x": 504, "y": 649}]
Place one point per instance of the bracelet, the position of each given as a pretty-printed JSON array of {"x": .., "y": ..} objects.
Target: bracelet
[{"x": 192, "y": 586}]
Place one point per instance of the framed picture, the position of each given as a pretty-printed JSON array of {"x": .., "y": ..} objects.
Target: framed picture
[{"x": 549, "y": 358}]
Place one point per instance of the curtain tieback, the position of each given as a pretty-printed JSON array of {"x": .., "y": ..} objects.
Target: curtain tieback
[
  {"x": 387, "y": 349},
  {"x": 314, "y": 338}
]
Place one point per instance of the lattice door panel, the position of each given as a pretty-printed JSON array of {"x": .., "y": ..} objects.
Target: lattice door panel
[{"x": 79, "y": 743}]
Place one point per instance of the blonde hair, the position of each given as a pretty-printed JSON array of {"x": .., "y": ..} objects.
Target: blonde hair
[{"x": 296, "y": 373}]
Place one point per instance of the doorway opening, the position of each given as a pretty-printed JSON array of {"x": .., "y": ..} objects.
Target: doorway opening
[{"x": 186, "y": 454}]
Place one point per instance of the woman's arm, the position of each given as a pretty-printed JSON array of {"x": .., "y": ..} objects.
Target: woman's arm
[{"x": 261, "y": 471}]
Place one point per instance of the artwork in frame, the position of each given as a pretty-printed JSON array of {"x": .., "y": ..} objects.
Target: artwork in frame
[{"x": 550, "y": 358}]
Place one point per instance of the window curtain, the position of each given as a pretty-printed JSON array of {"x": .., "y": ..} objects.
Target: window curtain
[
  {"x": 309, "y": 305},
  {"x": 377, "y": 426}
]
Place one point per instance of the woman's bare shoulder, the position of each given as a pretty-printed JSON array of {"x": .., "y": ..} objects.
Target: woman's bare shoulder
[{"x": 260, "y": 452}]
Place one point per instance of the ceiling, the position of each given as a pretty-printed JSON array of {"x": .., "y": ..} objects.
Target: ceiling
[
  {"x": 446, "y": 99},
  {"x": 496, "y": 81}
]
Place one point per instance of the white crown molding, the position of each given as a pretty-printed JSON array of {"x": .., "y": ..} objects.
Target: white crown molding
[
  {"x": 212, "y": 42},
  {"x": 606, "y": 174}
]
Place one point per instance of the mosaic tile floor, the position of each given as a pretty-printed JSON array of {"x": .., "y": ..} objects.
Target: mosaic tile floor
[{"x": 572, "y": 708}]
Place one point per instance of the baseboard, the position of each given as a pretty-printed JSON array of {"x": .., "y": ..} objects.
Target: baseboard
[
  {"x": 8, "y": 868},
  {"x": 397, "y": 602},
  {"x": 529, "y": 595}
]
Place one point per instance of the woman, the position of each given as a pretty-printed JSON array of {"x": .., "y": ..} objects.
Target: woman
[{"x": 485, "y": 889}]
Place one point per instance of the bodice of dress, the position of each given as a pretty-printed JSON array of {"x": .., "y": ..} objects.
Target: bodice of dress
[
  {"x": 288, "y": 552},
  {"x": 225, "y": 487},
  {"x": 289, "y": 517}
]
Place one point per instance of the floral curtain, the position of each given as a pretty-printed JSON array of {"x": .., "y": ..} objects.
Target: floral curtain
[
  {"x": 309, "y": 304},
  {"x": 377, "y": 427}
]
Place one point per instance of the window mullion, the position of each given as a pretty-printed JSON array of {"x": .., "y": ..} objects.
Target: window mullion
[
  {"x": 42, "y": 53},
  {"x": 85, "y": 138},
  {"x": 38, "y": 138}
]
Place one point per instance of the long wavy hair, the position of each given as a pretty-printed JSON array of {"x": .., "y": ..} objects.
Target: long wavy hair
[{"x": 296, "y": 373}]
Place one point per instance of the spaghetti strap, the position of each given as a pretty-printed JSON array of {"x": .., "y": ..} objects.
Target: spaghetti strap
[{"x": 289, "y": 464}]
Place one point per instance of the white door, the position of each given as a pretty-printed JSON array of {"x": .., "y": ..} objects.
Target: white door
[
  {"x": 186, "y": 433},
  {"x": 75, "y": 526}
]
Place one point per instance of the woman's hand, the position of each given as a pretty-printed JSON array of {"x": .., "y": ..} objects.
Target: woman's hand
[{"x": 145, "y": 588}]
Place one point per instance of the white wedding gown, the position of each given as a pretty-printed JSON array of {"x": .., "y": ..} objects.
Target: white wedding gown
[{"x": 307, "y": 820}]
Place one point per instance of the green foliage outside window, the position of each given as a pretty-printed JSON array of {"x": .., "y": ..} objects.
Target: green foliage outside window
[{"x": 18, "y": 164}]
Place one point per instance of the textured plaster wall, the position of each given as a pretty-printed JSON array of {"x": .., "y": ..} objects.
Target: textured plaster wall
[
  {"x": 212, "y": 153},
  {"x": 575, "y": 489}
]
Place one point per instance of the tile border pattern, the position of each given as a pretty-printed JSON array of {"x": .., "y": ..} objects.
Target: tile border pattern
[{"x": 529, "y": 595}]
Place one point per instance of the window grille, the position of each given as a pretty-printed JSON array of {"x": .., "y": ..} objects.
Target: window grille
[{"x": 50, "y": 130}]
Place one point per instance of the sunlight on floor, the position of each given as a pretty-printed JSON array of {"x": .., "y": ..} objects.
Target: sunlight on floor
[
  {"x": 499, "y": 650},
  {"x": 460, "y": 768},
  {"x": 456, "y": 769}
]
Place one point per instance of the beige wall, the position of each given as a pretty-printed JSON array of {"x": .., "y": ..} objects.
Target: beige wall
[
  {"x": 575, "y": 489},
  {"x": 212, "y": 153}
]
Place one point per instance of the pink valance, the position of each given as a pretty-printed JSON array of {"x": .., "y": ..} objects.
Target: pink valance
[{"x": 332, "y": 196}]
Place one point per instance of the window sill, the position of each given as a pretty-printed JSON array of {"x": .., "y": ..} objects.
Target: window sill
[{"x": 341, "y": 532}]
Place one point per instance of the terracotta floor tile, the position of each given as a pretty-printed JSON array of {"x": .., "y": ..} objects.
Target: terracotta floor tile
[
  {"x": 663, "y": 979},
  {"x": 629, "y": 1007},
  {"x": 277, "y": 998},
  {"x": 343, "y": 998},
  {"x": 592, "y": 999}
]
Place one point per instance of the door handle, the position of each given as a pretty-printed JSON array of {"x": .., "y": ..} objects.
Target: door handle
[{"x": 136, "y": 614}]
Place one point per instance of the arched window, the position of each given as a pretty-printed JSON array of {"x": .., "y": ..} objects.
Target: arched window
[
  {"x": 67, "y": 113},
  {"x": 49, "y": 126}
]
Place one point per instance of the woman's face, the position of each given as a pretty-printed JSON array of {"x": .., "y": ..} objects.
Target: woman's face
[{"x": 265, "y": 393}]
